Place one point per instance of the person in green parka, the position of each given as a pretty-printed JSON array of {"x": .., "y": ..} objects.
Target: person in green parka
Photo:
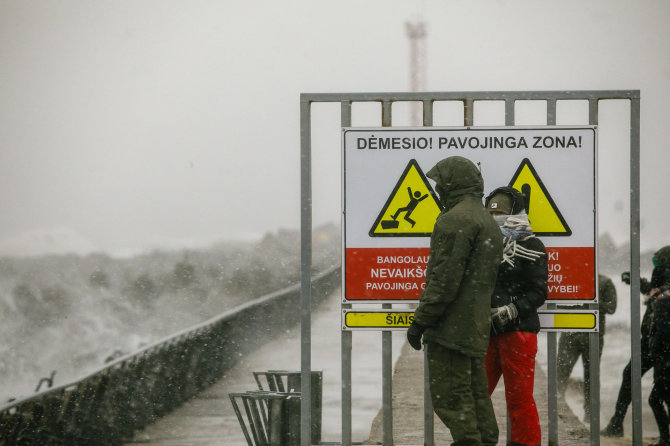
[{"x": 453, "y": 316}]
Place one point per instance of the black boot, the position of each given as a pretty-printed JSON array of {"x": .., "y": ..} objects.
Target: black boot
[{"x": 613, "y": 429}]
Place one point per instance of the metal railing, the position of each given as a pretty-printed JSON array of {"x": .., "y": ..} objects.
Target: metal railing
[
  {"x": 269, "y": 418},
  {"x": 110, "y": 404}
]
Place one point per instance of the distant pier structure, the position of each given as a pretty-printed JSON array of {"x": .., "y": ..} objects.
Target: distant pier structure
[{"x": 416, "y": 33}]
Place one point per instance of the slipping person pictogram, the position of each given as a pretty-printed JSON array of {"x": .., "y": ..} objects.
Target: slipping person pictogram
[
  {"x": 420, "y": 209},
  {"x": 414, "y": 200}
]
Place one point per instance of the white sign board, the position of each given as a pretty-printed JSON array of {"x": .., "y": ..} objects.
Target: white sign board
[{"x": 390, "y": 206}]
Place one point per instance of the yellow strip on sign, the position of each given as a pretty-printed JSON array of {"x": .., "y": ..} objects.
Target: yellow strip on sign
[
  {"x": 574, "y": 320},
  {"x": 378, "y": 319}
]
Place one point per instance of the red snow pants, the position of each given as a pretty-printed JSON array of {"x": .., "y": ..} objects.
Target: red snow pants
[{"x": 512, "y": 355}]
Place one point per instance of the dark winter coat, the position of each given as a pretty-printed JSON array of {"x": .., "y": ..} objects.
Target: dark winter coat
[
  {"x": 525, "y": 285},
  {"x": 648, "y": 316},
  {"x": 465, "y": 251},
  {"x": 660, "y": 277},
  {"x": 659, "y": 338},
  {"x": 607, "y": 301},
  {"x": 659, "y": 301}
]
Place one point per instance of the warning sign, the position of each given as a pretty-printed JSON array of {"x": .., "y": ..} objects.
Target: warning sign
[
  {"x": 550, "y": 320},
  {"x": 543, "y": 214},
  {"x": 379, "y": 319},
  {"x": 411, "y": 208},
  {"x": 390, "y": 206},
  {"x": 570, "y": 272},
  {"x": 569, "y": 320},
  {"x": 386, "y": 273}
]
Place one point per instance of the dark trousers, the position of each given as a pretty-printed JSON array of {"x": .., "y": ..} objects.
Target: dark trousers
[
  {"x": 624, "y": 398},
  {"x": 659, "y": 399},
  {"x": 570, "y": 347},
  {"x": 459, "y": 391}
]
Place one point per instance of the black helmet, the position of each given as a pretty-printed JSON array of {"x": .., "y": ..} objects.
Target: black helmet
[{"x": 513, "y": 201}]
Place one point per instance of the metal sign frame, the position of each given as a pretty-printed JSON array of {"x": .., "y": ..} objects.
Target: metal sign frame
[{"x": 468, "y": 99}]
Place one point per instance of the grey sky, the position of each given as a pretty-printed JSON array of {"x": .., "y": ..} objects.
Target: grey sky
[{"x": 126, "y": 125}]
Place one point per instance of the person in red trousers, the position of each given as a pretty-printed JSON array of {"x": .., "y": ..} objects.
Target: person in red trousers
[{"x": 521, "y": 288}]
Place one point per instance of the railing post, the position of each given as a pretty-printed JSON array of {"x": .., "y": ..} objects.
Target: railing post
[
  {"x": 387, "y": 341},
  {"x": 552, "y": 397},
  {"x": 636, "y": 362},
  {"x": 305, "y": 270},
  {"x": 346, "y": 336}
]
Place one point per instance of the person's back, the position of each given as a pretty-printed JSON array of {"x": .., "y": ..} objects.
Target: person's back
[
  {"x": 466, "y": 325},
  {"x": 465, "y": 248},
  {"x": 453, "y": 313}
]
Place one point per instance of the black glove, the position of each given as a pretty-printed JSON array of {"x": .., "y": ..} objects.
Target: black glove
[
  {"x": 501, "y": 316},
  {"x": 645, "y": 286},
  {"x": 414, "y": 333}
]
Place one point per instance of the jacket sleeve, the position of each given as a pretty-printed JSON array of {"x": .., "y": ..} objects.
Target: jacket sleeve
[
  {"x": 535, "y": 281},
  {"x": 608, "y": 299},
  {"x": 449, "y": 253}
]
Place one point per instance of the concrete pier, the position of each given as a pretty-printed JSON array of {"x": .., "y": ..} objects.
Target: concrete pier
[
  {"x": 408, "y": 410},
  {"x": 208, "y": 419}
]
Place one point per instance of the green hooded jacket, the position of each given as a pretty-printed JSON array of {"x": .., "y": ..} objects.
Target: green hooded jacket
[{"x": 465, "y": 251}]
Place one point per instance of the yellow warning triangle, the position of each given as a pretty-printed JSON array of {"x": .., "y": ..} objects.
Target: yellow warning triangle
[
  {"x": 411, "y": 209},
  {"x": 544, "y": 216}
]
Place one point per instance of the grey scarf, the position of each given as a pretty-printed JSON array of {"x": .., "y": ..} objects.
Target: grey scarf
[{"x": 516, "y": 228}]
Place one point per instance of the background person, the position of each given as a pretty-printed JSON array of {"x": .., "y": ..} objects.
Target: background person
[
  {"x": 660, "y": 276},
  {"x": 521, "y": 287},
  {"x": 659, "y": 347},
  {"x": 573, "y": 345},
  {"x": 453, "y": 315}
]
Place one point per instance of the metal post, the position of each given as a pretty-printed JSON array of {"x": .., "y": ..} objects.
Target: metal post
[
  {"x": 551, "y": 111},
  {"x": 469, "y": 112},
  {"x": 387, "y": 386},
  {"x": 552, "y": 400},
  {"x": 636, "y": 375},
  {"x": 387, "y": 342},
  {"x": 428, "y": 113},
  {"x": 510, "y": 117},
  {"x": 509, "y": 111},
  {"x": 594, "y": 394},
  {"x": 346, "y": 388},
  {"x": 594, "y": 347},
  {"x": 552, "y": 350},
  {"x": 428, "y": 417},
  {"x": 346, "y": 342},
  {"x": 305, "y": 271}
]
